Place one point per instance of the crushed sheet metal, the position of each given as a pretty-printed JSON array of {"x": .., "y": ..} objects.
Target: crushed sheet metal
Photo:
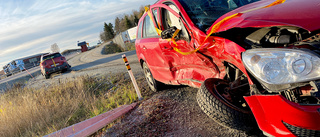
[{"x": 214, "y": 29}]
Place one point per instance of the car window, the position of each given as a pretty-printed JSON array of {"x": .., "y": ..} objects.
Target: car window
[
  {"x": 155, "y": 14},
  {"x": 204, "y": 13},
  {"x": 149, "y": 29},
  {"x": 140, "y": 29},
  {"x": 170, "y": 20},
  {"x": 52, "y": 56}
]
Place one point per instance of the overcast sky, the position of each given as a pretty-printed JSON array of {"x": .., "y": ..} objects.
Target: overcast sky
[{"x": 30, "y": 27}]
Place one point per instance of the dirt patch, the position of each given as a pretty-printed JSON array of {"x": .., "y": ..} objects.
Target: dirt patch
[{"x": 172, "y": 112}]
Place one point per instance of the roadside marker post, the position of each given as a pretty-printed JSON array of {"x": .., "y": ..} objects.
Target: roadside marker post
[{"x": 131, "y": 76}]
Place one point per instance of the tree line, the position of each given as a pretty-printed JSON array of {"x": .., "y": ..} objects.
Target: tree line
[{"x": 121, "y": 23}]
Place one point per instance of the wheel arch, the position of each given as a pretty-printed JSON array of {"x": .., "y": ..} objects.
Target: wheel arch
[
  {"x": 141, "y": 62},
  {"x": 141, "y": 59},
  {"x": 232, "y": 53}
]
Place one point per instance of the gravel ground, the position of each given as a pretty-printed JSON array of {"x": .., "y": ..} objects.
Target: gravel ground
[{"x": 172, "y": 112}]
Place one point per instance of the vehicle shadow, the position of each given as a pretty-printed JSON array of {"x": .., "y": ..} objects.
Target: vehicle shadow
[
  {"x": 103, "y": 60},
  {"x": 60, "y": 73}
]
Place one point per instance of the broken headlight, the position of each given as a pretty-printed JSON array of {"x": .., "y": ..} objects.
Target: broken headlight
[{"x": 282, "y": 66}]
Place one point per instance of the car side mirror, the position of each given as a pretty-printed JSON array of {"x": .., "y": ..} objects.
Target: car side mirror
[{"x": 168, "y": 33}]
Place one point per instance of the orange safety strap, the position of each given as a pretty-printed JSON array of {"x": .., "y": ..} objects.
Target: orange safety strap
[
  {"x": 217, "y": 26},
  {"x": 150, "y": 15},
  {"x": 214, "y": 29},
  {"x": 43, "y": 60},
  {"x": 277, "y": 2},
  {"x": 176, "y": 45}
]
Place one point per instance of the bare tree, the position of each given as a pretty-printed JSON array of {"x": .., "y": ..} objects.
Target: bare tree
[
  {"x": 117, "y": 25},
  {"x": 103, "y": 36},
  {"x": 55, "y": 48}
]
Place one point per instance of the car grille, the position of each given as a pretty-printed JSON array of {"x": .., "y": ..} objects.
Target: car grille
[{"x": 301, "y": 132}]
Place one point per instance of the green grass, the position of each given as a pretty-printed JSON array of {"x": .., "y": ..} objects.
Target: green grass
[
  {"x": 130, "y": 46},
  {"x": 37, "y": 112},
  {"x": 112, "y": 48}
]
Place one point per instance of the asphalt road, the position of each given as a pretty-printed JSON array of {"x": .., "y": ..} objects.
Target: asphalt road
[
  {"x": 20, "y": 75},
  {"x": 25, "y": 75}
]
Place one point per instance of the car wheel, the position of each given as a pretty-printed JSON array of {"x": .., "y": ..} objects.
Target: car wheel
[
  {"x": 47, "y": 76},
  {"x": 153, "y": 84},
  {"x": 218, "y": 106}
]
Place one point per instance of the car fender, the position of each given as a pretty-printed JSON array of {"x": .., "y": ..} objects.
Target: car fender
[
  {"x": 141, "y": 59},
  {"x": 271, "y": 111},
  {"x": 224, "y": 50}
]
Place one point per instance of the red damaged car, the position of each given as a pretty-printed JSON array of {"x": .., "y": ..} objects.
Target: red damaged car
[
  {"x": 254, "y": 61},
  {"x": 53, "y": 62}
]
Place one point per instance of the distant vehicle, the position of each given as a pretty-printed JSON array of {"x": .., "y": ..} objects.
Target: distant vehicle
[
  {"x": 51, "y": 63},
  {"x": 11, "y": 68},
  {"x": 22, "y": 64}
]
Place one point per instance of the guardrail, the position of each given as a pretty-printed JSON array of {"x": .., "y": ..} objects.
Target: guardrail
[{"x": 92, "y": 125}]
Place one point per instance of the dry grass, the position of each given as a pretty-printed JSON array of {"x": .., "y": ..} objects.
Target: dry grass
[
  {"x": 130, "y": 46},
  {"x": 115, "y": 48},
  {"x": 37, "y": 112}
]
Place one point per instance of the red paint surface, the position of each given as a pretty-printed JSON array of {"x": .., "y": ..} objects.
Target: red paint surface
[
  {"x": 299, "y": 13},
  {"x": 168, "y": 66},
  {"x": 48, "y": 63},
  {"x": 270, "y": 111}
]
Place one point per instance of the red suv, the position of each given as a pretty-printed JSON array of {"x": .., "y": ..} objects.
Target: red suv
[
  {"x": 53, "y": 62},
  {"x": 254, "y": 61}
]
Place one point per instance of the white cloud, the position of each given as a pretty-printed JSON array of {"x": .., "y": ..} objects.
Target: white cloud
[
  {"x": 30, "y": 44},
  {"x": 30, "y": 27}
]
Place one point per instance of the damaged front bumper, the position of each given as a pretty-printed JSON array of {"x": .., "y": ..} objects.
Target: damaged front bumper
[{"x": 278, "y": 116}]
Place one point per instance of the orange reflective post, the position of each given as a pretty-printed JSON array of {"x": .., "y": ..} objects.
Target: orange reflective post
[{"x": 131, "y": 76}]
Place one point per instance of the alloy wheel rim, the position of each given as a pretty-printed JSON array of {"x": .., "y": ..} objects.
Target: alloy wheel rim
[{"x": 148, "y": 76}]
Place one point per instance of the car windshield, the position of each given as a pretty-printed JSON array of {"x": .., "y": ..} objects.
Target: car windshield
[
  {"x": 51, "y": 56},
  {"x": 204, "y": 13}
]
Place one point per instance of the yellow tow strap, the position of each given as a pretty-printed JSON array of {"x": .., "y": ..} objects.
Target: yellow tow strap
[
  {"x": 54, "y": 63},
  {"x": 150, "y": 15},
  {"x": 214, "y": 28},
  {"x": 277, "y": 2}
]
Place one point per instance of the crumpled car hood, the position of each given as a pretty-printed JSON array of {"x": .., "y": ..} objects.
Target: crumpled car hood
[{"x": 300, "y": 13}]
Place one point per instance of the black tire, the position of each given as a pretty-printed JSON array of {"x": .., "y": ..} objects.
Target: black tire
[
  {"x": 153, "y": 84},
  {"x": 66, "y": 69},
  {"x": 222, "y": 111},
  {"x": 47, "y": 76}
]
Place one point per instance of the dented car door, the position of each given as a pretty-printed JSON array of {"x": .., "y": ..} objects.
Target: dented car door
[{"x": 188, "y": 69}]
